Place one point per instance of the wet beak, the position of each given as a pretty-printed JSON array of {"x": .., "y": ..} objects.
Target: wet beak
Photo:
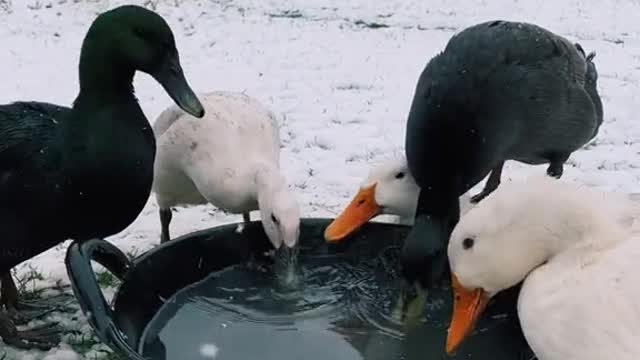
[
  {"x": 286, "y": 266},
  {"x": 169, "y": 74},
  {"x": 361, "y": 209},
  {"x": 468, "y": 305}
]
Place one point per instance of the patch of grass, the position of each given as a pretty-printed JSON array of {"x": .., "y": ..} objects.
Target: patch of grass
[
  {"x": 107, "y": 279},
  {"x": 84, "y": 344},
  {"x": 133, "y": 253},
  {"x": 27, "y": 284},
  {"x": 113, "y": 356}
]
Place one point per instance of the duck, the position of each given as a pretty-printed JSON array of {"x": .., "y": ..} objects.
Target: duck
[
  {"x": 84, "y": 171},
  {"x": 574, "y": 249},
  {"x": 499, "y": 91},
  {"x": 388, "y": 189},
  {"x": 230, "y": 159}
]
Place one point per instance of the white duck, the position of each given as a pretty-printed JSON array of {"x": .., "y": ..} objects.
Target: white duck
[
  {"x": 230, "y": 158},
  {"x": 577, "y": 254},
  {"x": 389, "y": 189}
]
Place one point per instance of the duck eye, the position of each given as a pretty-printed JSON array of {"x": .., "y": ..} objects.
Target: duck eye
[
  {"x": 274, "y": 218},
  {"x": 467, "y": 243},
  {"x": 399, "y": 175}
]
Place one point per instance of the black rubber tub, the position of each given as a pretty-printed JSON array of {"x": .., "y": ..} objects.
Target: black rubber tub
[{"x": 157, "y": 275}]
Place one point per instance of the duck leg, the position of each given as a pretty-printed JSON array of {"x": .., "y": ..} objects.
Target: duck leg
[
  {"x": 165, "y": 220},
  {"x": 246, "y": 220},
  {"x": 9, "y": 300},
  {"x": 42, "y": 337},
  {"x": 22, "y": 312},
  {"x": 556, "y": 165},
  {"x": 491, "y": 184}
]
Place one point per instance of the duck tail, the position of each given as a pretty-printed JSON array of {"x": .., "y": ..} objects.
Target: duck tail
[
  {"x": 579, "y": 47},
  {"x": 591, "y": 86},
  {"x": 592, "y": 72},
  {"x": 589, "y": 57}
]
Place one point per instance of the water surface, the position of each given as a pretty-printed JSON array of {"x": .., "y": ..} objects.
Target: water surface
[{"x": 341, "y": 308}]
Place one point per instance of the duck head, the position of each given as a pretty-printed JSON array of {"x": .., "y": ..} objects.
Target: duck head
[
  {"x": 485, "y": 257},
  {"x": 133, "y": 38},
  {"x": 279, "y": 211},
  {"x": 516, "y": 229},
  {"x": 388, "y": 189}
]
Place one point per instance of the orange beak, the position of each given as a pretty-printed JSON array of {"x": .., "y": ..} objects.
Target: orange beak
[
  {"x": 467, "y": 307},
  {"x": 362, "y": 208}
]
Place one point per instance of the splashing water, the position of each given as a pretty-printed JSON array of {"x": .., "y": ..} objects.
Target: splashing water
[{"x": 286, "y": 268}]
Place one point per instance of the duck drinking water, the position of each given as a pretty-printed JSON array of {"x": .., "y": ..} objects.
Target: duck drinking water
[
  {"x": 499, "y": 91},
  {"x": 576, "y": 251}
]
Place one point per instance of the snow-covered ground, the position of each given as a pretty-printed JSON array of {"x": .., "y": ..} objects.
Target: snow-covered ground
[{"x": 342, "y": 88}]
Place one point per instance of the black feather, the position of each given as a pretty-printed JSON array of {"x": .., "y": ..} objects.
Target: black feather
[{"x": 499, "y": 91}]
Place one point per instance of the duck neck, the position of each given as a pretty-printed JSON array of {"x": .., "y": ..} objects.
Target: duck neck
[
  {"x": 103, "y": 77},
  {"x": 269, "y": 185},
  {"x": 583, "y": 234},
  {"x": 267, "y": 178}
]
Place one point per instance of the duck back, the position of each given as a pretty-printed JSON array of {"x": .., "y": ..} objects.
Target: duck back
[
  {"x": 585, "y": 305},
  {"x": 215, "y": 159},
  {"x": 499, "y": 91}
]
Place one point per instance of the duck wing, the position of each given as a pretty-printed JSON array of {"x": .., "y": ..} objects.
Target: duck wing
[
  {"x": 25, "y": 129},
  {"x": 588, "y": 311},
  {"x": 29, "y": 157},
  {"x": 488, "y": 47},
  {"x": 30, "y": 194},
  {"x": 507, "y": 90}
]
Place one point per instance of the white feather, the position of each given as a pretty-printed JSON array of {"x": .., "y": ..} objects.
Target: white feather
[
  {"x": 399, "y": 196},
  {"x": 230, "y": 158},
  {"x": 577, "y": 250}
]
